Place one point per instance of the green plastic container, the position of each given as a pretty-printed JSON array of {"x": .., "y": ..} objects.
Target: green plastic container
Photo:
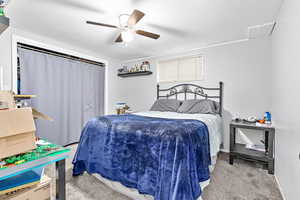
[{"x": 1, "y": 11}]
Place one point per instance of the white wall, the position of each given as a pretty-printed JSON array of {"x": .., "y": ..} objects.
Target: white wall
[
  {"x": 286, "y": 104},
  {"x": 7, "y": 61},
  {"x": 244, "y": 67},
  {"x": 5, "y": 57}
]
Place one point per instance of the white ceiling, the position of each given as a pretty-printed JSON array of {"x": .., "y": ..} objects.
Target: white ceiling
[{"x": 183, "y": 25}]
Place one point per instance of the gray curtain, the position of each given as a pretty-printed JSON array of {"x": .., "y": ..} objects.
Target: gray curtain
[{"x": 71, "y": 92}]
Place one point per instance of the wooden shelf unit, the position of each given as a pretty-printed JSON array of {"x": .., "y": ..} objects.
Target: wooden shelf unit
[{"x": 131, "y": 74}]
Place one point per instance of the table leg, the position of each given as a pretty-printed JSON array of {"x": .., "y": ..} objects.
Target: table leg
[
  {"x": 267, "y": 141},
  {"x": 61, "y": 180},
  {"x": 232, "y": 143},
  {"x": 271, "y": 141}
]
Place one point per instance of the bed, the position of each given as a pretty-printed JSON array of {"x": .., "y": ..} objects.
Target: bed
[{"x": 154, "y": 155}]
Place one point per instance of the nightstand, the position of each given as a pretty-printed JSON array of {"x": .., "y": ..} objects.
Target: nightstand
[{"x": 240, "y": 151}]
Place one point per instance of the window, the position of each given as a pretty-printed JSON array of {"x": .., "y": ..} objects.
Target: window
[{"x": 181, "y": 69}]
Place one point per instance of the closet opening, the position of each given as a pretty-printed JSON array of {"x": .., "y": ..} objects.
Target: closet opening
[{"x": 69, "y": 89}]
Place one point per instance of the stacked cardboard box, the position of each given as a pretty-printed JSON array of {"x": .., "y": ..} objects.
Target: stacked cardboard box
[
  {"x": 17, "y": 136},
  {"x": 17, "y": 131},
  {"x": 17, "y": 127}
]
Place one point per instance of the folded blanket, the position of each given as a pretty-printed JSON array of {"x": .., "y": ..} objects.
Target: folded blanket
[{"x": 165, "y": 158}]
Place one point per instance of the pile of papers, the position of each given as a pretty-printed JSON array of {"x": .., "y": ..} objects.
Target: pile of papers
[{"x": 257, "y": 147}]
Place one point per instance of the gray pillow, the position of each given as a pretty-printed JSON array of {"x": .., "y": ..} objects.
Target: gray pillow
[
  {"x": 166, "y": 105},
  {"x": 203, "y": 106}
]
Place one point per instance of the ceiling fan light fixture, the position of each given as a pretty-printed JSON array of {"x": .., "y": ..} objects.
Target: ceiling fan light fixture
[
  {"x": 127, "y": 35},
  {"x": 123, "y": 19}
]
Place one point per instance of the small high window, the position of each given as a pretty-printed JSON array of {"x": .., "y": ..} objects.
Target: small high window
[{"x": 181, "y": 69}]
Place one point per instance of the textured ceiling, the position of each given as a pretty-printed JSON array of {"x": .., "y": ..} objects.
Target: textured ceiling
[{"x": 182, "y": 24}]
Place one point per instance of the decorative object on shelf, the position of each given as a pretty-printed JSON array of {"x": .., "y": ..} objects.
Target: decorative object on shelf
[
  {"x": 120, "y": 70},
  {"x": 125, "y": 69},
  {"x": 145, "y": 66}
]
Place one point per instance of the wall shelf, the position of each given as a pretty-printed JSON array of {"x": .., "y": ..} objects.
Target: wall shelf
[
  {"x": 131, "y": 74},
  {"x": 4, "y": 23}
]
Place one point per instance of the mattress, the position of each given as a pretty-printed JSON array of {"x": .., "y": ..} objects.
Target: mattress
[{"x": 214, "y": 124}]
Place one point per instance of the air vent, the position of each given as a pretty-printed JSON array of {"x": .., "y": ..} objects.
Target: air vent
[{"x": 261, "y": 31}]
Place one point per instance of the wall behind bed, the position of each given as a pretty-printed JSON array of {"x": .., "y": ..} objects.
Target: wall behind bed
[{"x": 243, "y": 66}]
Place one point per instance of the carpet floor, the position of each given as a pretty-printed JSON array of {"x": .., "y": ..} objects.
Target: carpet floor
[{"x": 241, "y": 181}]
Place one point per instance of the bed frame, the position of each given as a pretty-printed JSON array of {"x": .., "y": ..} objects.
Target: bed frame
[{"x": 195, "y": 90}]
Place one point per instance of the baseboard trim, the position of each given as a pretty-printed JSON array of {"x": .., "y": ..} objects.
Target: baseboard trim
[{"x": 280, "y": 188}]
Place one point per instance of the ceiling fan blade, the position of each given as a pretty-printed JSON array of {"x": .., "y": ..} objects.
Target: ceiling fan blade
[
  {"x": 119, "y": 38},
  {"x": 101, "y": 24},
  {"x": 135, "y": 17},
  {"x": 148, "y": 34}
]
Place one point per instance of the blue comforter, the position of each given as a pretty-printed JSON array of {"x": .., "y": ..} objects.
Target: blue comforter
[{"x": 165, "y": 158}]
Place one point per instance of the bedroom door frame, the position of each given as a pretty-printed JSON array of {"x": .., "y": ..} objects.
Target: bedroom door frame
[{"x": 19, "y": 39}]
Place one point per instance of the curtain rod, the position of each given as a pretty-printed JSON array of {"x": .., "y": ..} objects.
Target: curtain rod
[{"x": 63, "y": 55}]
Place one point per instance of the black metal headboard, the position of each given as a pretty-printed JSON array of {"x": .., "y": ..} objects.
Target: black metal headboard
[{"x": 196, "y": 90}]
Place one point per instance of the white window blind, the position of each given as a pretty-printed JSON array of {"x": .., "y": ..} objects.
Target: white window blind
[{"x": 181, "y": 69}]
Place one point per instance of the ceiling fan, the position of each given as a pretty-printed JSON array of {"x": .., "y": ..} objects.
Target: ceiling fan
[{"x": 127, "y": 26}]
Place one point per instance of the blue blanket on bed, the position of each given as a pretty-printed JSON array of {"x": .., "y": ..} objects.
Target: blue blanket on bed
[{"x": 165, "y": 158}]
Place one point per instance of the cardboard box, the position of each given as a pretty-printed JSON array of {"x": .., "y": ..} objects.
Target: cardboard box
[
  {"x": 17, "y": 127},
  {"x": 17, "y": 132},
  {"x": 41, "y": 191},
  {"x": 38, "y": 115},
  {"x": 8, "y": 97}
]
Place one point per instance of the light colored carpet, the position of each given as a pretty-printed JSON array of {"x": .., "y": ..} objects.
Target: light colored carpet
[{"x": 241, "y": 181}]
